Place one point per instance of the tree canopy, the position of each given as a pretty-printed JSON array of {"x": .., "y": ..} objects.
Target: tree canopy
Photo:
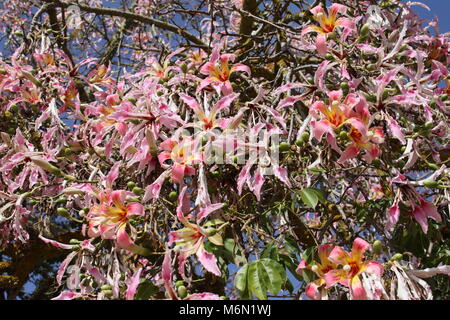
[{"x": 243, "y": 149}]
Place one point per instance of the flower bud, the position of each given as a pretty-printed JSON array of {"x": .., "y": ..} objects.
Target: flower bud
[
  {"x": 431, "y": 183},
  {"x": 365, "y": 29},
  {"x": 377, "y": 247},
  {"x": 74, "y": 241},
  {"x": 132, "y": 100},
  {"x": 62, "y": 212},
  {"x": 345, "y": 87},
  {"x": 182, "y": 292},
  {"x": 329, "y": 56},
  {"x": 397, "y": 257},
  {"x": 173, "y": 196},
  {"x": 428, "y": 125},
  {"x": 284, "y": 146},
  {"x": 137, "y": 191},
  {"x": 61, "y": 201},
  {"x": 305, "y": 136},
  {"x": 105, "y": 287},
  {"x": 343, "y": 135}
]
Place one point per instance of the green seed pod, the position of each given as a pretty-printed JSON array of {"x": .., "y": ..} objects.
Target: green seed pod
[
  {"x": 135, "y": 121},
  {"x": 105, "y": 287},
  {"x": 67, "y": 151},
  {"x": 329, "y": 56},
  {"x": 179, "y": 283},
  {"x": 443, "y": 97},
  {"x": 204, "y": 141},
  {"x": 182, "y": 292},
  {"x": 305, "y": 136},
  {"x": 74, "y": 241},
  {"x": 310, "y": 80},
  {"x": 400, "y": 164},
  {"x": 131, "y": 185},
  {"x": 284, "y": 146},
  {"x": 343, "y": 135},
  {"x": 14, "y": 108},
  {"x": 184, "y": 67},
  {"x": 432, "y": 103},
  {"x": 62, "y": 212},
  {"x": 8, "y": 115},
  {"x": 223, "y": 298},
  {"x": 299, "y": 142},
  {"x": 370, "y": 98},
  {"x": 137, "y": 191},
  {"x": 108, "y": 293},
  {"x": 376, "y": 162},
  {"x": 61, "y": 201},
  {"x": 433, "y": 166},
  {"x": 132, "y": 100},
  {"x": 215, "y": 174},
  {"x": 377, "y": 247},
  {"x": 428, "y": 125},
  {"x": 345, "y": 87},
  {"x": 431, "y": 183},
  {"x": 32, "y": 202},
  {"x": 397, "y": 257},
  {"x": 402, "y": 149},
  {"x": 371, "y": 67},
  {"x": 173, "y": 196}
]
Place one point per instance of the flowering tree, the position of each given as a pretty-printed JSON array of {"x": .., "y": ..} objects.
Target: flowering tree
[{"x": 223, "y": 150}]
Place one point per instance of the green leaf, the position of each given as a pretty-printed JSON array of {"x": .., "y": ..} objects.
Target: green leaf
[
  {"x": 145, "y": 290},
  {"x": 309, "y": 197},
  {"x": 276, "y": 274},
  {"x": 256, "y": 282},
  {"x": 240, "y": 281}
]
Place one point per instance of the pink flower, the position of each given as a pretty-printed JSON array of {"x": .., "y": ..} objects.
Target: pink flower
[
  {"x": 352, "y": 266},
  {"x": 166, "y": 274},
  {"x": 184, "y": 155},
  {"x": 189, "y": 240},
  {"x": 218, "y": 72},
  {"x": 327, "y": 24},
  {"x": 110, "y": 218},
  {"x": 314, "y": 290},
  {"x": 424, "y": 210}
]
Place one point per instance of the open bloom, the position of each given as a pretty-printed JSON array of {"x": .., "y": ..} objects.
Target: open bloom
[
  {"x": 184, "y": 155},
  {"x": 208, "y": 116},
  {"x": 327, "y": 24},
  {"x": 109, "y": 218},
  {"x": 218, "y": 72},
  {"x": 166, "y": 275},
  {"x": 353, "y": 265},
  {"x": 314, "y": 289},
  {"x": 354, "y": 112},
  {"x": 189, "y": 240}
]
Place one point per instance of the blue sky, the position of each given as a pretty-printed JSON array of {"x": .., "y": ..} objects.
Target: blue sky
[{"x": 439, "y": 8}]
